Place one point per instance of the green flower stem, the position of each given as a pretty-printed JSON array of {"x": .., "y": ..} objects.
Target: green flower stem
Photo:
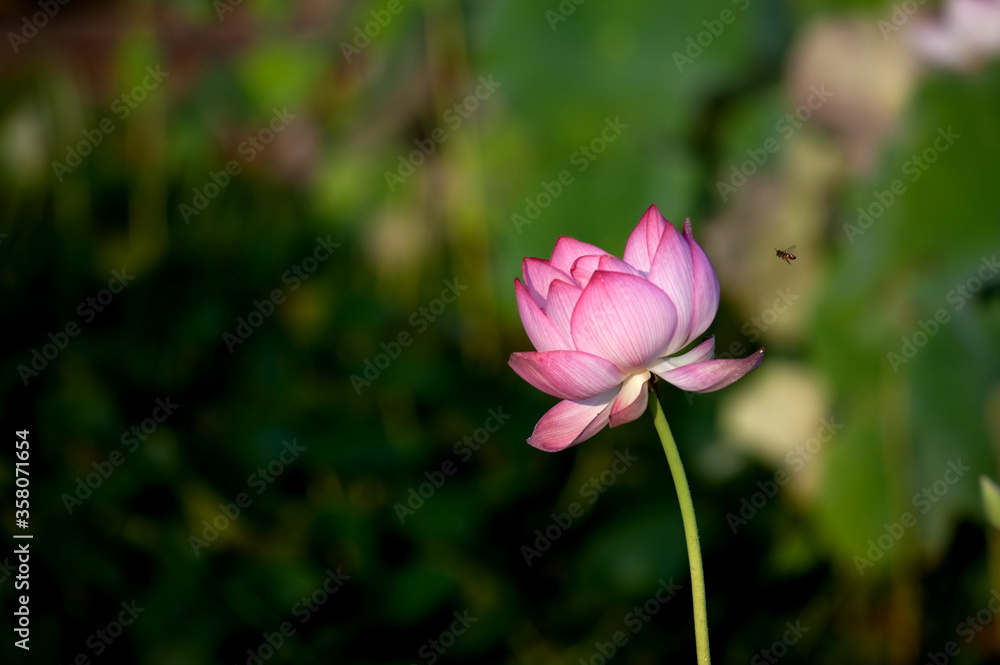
[{"x": 690, "y": 529}]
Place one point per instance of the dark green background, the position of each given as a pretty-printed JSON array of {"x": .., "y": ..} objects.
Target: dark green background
[{"x": 324, "y": 175}]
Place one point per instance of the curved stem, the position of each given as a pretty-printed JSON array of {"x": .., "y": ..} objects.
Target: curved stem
[{"x": 690, "y": 530}]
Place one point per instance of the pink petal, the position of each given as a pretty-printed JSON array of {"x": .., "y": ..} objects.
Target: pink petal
[
  {"x": 611, "y": 263},
  {"x": 566, "y": 374},
  {"x": 625, "y": 319},
  {"x": 939, "y": 45},
  {"x": 569, "y": 423},
  {"x": 671, "y": 271},
  {"x": 568, "y": 250},
  {"x": 978, "y": 22},
  {"x": 562, "y": 300},
  {"x": 538, "y": 276},
  {"x": 645, "y": 238},
  {"x": 711, "y": 375},
  {"x": 543, "y": 333},
  {"x": 584, "y": 268},
  {"x": 700, "y": 353},
  {"x": 631, "y": 400},
  {"x": 706, "y": 287}
]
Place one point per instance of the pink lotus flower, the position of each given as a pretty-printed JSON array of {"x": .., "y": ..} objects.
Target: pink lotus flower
[
  {"x": 966, "y": 34},
  {"x": 602, "y": 326}
]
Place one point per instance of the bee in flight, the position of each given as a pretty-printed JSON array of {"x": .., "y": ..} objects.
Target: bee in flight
[{"x": 785, "y": 254}]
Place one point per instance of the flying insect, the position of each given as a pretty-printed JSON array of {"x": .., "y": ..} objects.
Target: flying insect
[{"x": 785, "y": 254}]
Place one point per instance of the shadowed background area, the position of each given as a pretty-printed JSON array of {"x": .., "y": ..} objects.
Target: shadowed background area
[{"x": 256, "y": 272}]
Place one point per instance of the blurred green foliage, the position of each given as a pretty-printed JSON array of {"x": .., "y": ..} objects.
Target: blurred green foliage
[{"x": 372, "y": 442}]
